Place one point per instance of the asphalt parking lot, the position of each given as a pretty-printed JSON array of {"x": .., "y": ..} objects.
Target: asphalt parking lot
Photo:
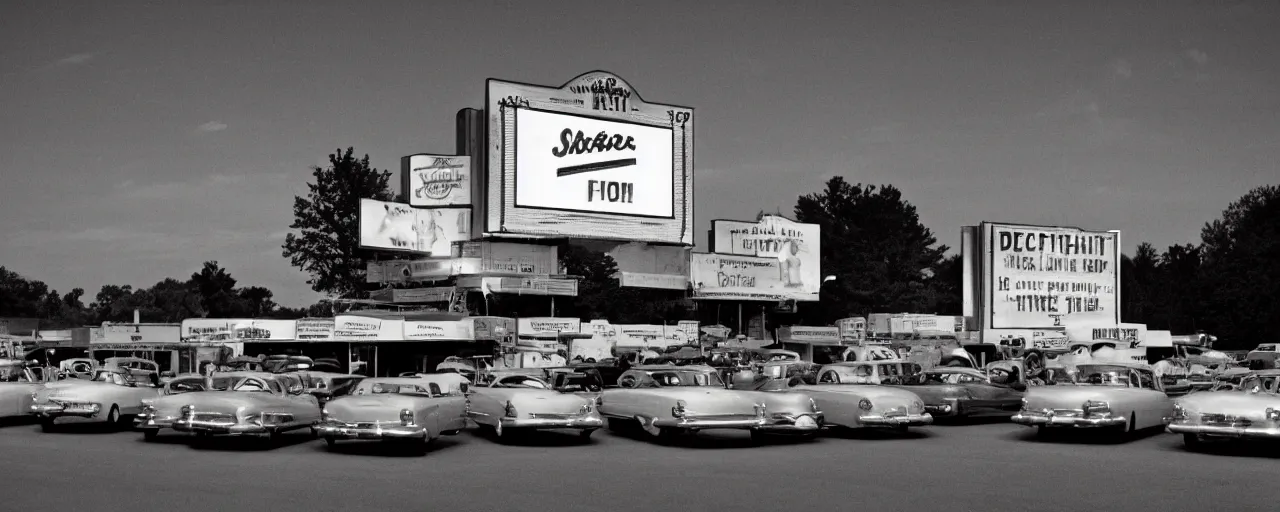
[{"x": 988, "y": 467}]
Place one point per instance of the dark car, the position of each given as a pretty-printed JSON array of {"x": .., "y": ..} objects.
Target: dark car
[{"x": 958, "y": 392}]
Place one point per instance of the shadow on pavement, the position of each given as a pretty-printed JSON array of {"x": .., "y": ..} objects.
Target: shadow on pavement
[
  {"x": 368, "y": 448},
  {"x": 85, "y": 427},
  {"x": 537, "y": 438},
  {"x": 247, "y": 443},
  {"x": 17, "y": 421},
  {"x": 875, "y": 434},
  {"x": 1225, "y": 448},
  {"x": 964, "y": 422},
  {"x": 712, "y": 440},
  {"x": 1082, "y": 436}
]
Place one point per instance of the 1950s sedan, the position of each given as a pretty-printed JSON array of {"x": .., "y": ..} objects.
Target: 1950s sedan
[
  {"x": 957, "y": 392},
  {"x": 415, "y": 409},
  {"x": 672, "y": 401},
  {"x": 17, "y": 389},
  {"x": 853, "y": 404},
  {"x": 1251, "y": 411},
  {"x": 518, "y": 403},
  {"x": 1122, "y": 396},
  {"x": 235, "y": 403},
  {"x": 109, "y": 396}
]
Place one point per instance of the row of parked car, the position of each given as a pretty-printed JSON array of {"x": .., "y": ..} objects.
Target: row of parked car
[{"x": 781, "y": 397}]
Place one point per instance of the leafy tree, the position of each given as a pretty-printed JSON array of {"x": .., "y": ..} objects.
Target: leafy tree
[
  {"x": 169, "y": 300},
  {"x": 874, "y": 243},
  {"x": 103, "y": 303},
  {"x": 327, "y": 244},
  {"x": 19, "y": 296},
  {"x": 945, "y": 286},
  {"x": 1140, "y": 278},
  {"x": 1240, "y": 271},
  {"x": 217, "y": 291}
]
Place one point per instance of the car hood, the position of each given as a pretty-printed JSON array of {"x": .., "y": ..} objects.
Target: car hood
[
  {"x": 548, "y": 401},
  {"x": 78, "y": 390},
  {"x": 1068, "y": 396},
  {"x": 869, "y": 391},
  {"x": 210, "y": 401},
  {"x": 1234, "y": 403}
]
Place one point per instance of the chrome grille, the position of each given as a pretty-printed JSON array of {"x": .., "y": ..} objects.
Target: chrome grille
[
  {"x": 552, "y": 416},
  {"x": 212, "y": 417},
  {"x": 1069, "y": 413},
  {"x": 1222, "y": 420}
]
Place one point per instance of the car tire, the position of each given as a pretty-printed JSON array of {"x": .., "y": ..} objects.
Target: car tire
[
  {"x": 330, "y": 442},
  {"x": 150, "y": 434},
  {"x": 48, "y": 425},
  {"x": 671, "y": 435},
  {"x": 760, "y": 437},
  {"x": 113, "y": 417},
  {"x": 1193, "y": 442},
  {"x": 1046, "y": 433},
  {"x": 620, "y": 425},
  {"x": 585, "y": 434}
]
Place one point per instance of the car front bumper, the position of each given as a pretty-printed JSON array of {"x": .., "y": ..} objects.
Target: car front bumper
[
  {"x": 147, "y": 420},
  {"x": 1233, "y": 431},
  {"x": 220, "y": 428},
  {"x": 590, "y": 421},
  {"x": 52, "y": 410},
  {"x": 1037, "y": 419},
  {"x": 903, "y": 420},
  {"x": 341, "y": 430},
  {"x": 794, "y": 424}
]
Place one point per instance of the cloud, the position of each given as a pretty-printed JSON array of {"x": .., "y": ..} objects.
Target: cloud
[
  {"x": 75, "y": 60},
  {"x": 1121, "y": 68},
  {"x": 1198, "y": 56},
  {"x": 211, "y": 126}
]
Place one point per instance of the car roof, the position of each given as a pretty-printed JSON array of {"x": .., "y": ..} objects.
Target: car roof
[
  {"x": 955, "y": 369},
  {"x": 397, "y": 380},
  {"x": 1266, "y": 373}
]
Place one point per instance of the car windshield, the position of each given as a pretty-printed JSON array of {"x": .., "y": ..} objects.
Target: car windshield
[
  {"x": 521, "y": 381},
  {"x": 677, "y": 378},
  {"x": 1112, "y": 375},
  {"x": 942, "y": 377},
  {"x": 116, "y": 378},
  {"x": 399, "y": 389},
  {"x": 237, "y": 384}
]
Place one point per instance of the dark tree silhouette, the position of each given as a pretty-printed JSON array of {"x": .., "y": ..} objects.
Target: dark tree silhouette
[
  {"x": 874, "y": 243},
  {"x": 1240, "y": 274},
  {"x": 327, "y": 242}
]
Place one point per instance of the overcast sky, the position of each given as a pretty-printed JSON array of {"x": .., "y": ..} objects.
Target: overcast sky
[{"x": 139, "y": 139}]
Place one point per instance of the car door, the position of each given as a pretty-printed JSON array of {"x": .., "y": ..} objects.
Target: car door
[{"x": 451, "y": 406}]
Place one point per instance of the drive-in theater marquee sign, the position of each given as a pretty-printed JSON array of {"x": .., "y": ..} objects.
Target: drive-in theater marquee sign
[{"x": 588, "y": 159}]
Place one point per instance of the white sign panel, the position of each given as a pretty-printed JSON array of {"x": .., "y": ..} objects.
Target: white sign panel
[
  {"x": 798, "y": 247},
  {"x": 438, "y": 330},
  {"x": 436, "y": 180},
  {"x": 548, "y": 325},
  {"x": 400, "y": 227},
  {"x": 724, "y": 277},
  {"x": 576, "y": 163},
  {"x": 137, "y": 333},
  {"x": 588, "y": 159},
  {"x": 314, "y": 329},
  {"x": 1046, "y": 277},
  {"x": 363, "y": 328},
  {"x": 238, "y": 329},
  {"x": 1125, "y": 335}
]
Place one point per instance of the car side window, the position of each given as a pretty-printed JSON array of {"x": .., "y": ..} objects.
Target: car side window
[
  {"x": 862, "y": 371},
  {"x": 435, "y": 389},
  {"x": 628, "y": 381},
  {"x": 275, "y": 387}
]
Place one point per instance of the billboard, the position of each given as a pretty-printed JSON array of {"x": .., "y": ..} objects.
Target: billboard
[
  {"x": 238, "y": 329},
  {"x": 135, "y": 333},
  {"x": 436, "y": 180},
  {"x": 652, "y": 266},
  {"x": 797, "y": 247},
  {"x": 548, "y": 325},
  {"x": 509, "y": 258},
  {"x": 400, "y": 227},
  {"x": 314, "y": 329},
  {"x": 365, "y": 328},
  {"x": 587, "y": 159},
  {"x": 728, "y": 277},
  {"x": 439, "y": 330},
  {"x": 1040, "y": 277}
]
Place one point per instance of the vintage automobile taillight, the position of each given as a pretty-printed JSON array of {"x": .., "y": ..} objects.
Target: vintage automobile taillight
[
  {"x": 406, "y": 417},
  {"x": 510, "y": 410},
  {"x": 813, "y": 405},
  {"x": 599, "y": 402},
  {"x": 324, "y": 415},
  {"x": 1181, "y": 414},
  {"x": 1273, "y": 414},
  {"x": 679, "y": 410},
  {"x": 585, "y": 409},
  {"x": 187, "y": 410},
  {"x": 864, "y": 404}
]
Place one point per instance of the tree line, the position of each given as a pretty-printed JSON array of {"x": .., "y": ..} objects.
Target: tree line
[{"x": 884, "y": 258}]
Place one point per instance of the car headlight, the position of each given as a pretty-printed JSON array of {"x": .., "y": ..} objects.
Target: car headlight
[
  {"x": 1273, "y": 414},
  {"x": 510, "y": 410},
  {"x": 1024, "y": 404},
  {"x": 917, "y": 406},
  {"x": 187, "y": 410},
  {"x": 406, "y": 417},
  {"x": 679, "y": 410},
  {"x": 1180, "y": 414},
  {"x": 1095, "y": 407},
  {"x": 324, "y": 415},
  {"x": 864, "y": 404}
]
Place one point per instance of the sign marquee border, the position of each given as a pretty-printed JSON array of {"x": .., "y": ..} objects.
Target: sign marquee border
[{"x": 596, "y": 95}]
